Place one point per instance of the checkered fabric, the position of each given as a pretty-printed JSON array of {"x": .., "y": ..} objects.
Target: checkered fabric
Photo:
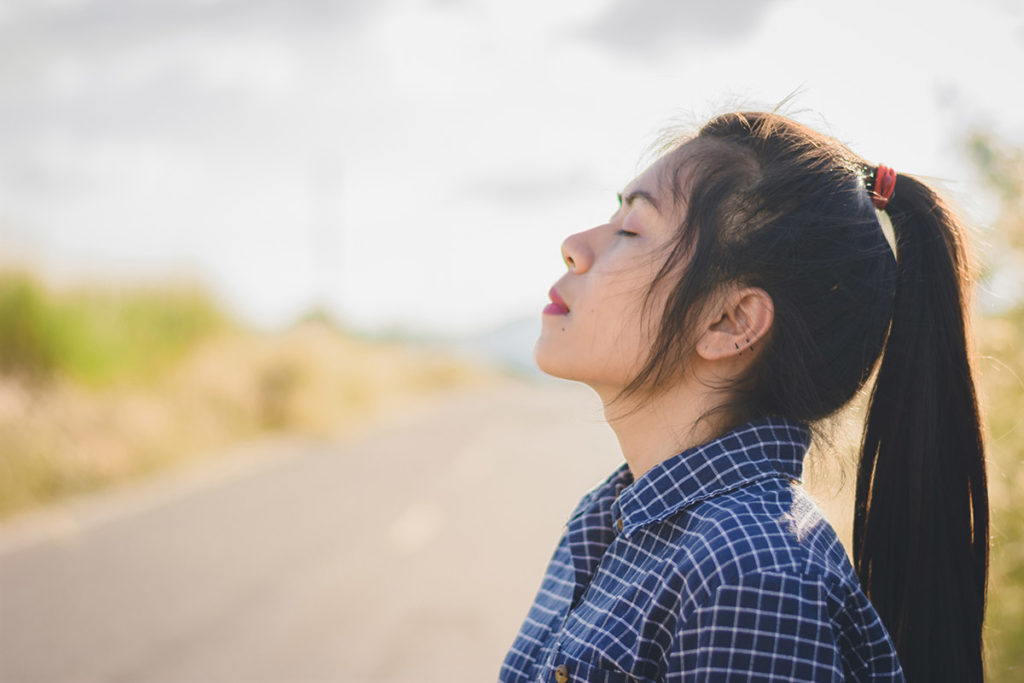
[{"x": 714, "y": 565}]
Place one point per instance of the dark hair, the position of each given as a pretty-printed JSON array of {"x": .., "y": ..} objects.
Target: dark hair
[{"x": 770, "y": 203}]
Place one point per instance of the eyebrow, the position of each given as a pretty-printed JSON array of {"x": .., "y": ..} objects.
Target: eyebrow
[{"x": 639, "y": 194}]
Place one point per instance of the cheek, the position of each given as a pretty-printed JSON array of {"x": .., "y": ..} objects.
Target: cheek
[
  {"x": 637, "y": 334},
  {"x": 640, "y": 328},
  {"x": 618, "y": 313},
  {"x": 618, "y": 337}
]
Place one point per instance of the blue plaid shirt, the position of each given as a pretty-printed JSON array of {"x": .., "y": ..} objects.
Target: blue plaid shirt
[{"x": 714, "y": 565}]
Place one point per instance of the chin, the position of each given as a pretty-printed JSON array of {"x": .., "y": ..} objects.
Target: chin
[{"x": 548, "y": 362}]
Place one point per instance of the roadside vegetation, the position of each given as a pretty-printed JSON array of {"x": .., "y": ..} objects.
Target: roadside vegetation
[{"x": 99, "y": 384}]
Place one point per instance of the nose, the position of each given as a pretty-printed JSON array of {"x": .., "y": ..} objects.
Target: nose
[{"x": 576, "y": 252}]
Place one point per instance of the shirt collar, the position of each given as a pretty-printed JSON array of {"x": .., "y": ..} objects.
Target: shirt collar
[{"x": 766, "y": 447}]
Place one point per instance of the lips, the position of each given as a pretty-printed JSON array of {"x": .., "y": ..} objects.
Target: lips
[{"x": 557, "y": 305}]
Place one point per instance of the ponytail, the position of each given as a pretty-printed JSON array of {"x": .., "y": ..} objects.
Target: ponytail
[{"x": 920, "y": 537}]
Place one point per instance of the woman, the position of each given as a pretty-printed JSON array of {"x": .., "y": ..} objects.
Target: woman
[{"x": 744, "y": 290}]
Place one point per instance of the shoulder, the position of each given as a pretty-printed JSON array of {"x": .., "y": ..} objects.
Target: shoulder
[
  {"x": 775, "y": 623},
  {"x": 765, "y": 573},
  {"x": 770, "y": 527}
]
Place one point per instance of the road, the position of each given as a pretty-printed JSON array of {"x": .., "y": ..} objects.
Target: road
[{"x": 409, "y": 553}]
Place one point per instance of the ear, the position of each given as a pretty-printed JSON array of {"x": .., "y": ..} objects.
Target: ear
[{"x": 733, "y": 327}]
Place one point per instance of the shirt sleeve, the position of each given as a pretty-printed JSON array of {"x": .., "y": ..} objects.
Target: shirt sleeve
[{"x": 762, "y": 627}]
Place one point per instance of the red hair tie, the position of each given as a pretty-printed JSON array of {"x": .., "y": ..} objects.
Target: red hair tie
[{"x": 885, "y": 184}]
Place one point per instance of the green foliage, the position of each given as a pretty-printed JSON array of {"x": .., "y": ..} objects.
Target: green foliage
[{"x": 98, "y": 336}]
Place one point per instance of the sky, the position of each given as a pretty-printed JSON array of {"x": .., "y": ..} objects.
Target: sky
[{"x": 416, "y": 164}]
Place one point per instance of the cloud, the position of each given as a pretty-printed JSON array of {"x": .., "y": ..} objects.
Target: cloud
[
  {"x": 217, "y": 75},
  {"x": 654, "y": 27}
]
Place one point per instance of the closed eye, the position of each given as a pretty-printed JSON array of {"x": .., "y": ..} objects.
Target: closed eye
[{"x": 627, "y": 233}]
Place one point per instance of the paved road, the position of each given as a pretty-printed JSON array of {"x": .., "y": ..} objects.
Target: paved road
[{"x": 408, "y": 554}]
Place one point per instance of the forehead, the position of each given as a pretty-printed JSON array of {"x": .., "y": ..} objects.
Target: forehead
[{"x": 669, "y": 177}]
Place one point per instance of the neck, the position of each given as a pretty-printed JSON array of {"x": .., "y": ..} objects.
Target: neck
[{"x": 662, "y": 426}]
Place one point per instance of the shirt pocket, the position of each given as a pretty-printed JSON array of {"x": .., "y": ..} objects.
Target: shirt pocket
[{"x": 567, "y": 670}]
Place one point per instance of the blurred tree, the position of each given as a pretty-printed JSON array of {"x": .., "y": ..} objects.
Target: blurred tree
[{"x": 1001, "y": 167}]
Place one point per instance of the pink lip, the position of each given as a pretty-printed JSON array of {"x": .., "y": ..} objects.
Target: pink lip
[{"x": 557, "y": 305}]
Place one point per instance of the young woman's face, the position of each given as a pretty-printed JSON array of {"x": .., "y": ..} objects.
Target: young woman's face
[{"x": 601, "y": 339}]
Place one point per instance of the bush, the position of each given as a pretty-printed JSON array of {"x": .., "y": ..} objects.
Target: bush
[
  {"x": 29, "y": 342},
  {"x": 99, "y": 336}
]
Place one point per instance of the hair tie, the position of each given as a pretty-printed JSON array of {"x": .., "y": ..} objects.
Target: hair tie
[{"x": 885, "y": 184}]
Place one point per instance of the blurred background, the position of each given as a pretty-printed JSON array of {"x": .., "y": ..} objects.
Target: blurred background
[{"x": 271, "y": 273}]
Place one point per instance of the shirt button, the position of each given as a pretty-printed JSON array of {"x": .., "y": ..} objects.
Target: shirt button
[
  {"x": 562, "y": 674},
  {"x": 618, "y": 524}
]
